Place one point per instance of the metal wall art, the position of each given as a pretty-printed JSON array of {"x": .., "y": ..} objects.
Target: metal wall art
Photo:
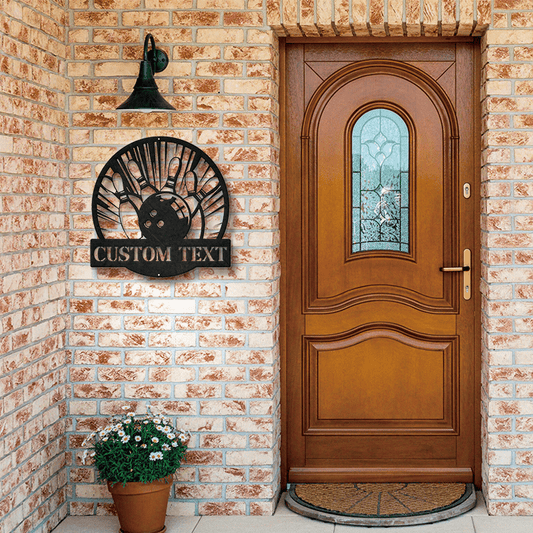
[{"x": 160, "y": 208}]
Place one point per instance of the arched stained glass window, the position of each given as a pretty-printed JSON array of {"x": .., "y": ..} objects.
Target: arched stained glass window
[{"x": 380, "y": 182}]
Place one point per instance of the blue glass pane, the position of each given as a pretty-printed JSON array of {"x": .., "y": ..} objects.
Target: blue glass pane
[{"x": 380, "y": 182}]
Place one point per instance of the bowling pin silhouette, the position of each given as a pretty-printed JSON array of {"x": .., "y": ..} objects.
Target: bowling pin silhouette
[
  {"x": 144, "y": 187},
  {"x": 174, "y": 168},
  {"x": 193, "y": 201},
  {"x": 107, "y": 208},
  {"x": 129, "y": 205}
]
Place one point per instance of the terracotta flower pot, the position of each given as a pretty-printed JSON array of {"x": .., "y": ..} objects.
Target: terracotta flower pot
[{"x": 142, "y": 507}]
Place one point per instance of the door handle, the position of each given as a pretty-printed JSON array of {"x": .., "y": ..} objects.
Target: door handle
[
  {"x": 455, "y": 269},
  {"x": 467, "y": 276}
]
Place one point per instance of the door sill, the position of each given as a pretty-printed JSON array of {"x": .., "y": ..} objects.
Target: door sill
[{"x": 380, "y": 475}]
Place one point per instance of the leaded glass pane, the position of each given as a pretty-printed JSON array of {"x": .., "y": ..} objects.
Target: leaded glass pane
[{"x": 380, "y": 182}]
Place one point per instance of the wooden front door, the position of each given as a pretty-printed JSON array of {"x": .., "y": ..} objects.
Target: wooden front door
[{"x": 380, "y": 193}]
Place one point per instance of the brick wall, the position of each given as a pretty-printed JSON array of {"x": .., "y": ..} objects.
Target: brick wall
[
  {"x": 202, "y": 346},
  {"x": 33, "y": 199},
  {"x": 507, "y": 256}
]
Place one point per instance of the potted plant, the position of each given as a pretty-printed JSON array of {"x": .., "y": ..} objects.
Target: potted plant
[{"x": 137, "y": 455}]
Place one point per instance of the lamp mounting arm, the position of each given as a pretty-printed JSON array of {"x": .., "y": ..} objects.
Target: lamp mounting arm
[{"x": 157, "y": 58}]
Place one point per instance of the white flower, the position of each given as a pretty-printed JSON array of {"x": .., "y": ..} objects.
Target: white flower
[
  {"x": 125, "y": 439},
  {"x": 105, "y": 439},
  {"x": 165, "y": 447},
  {"x": 155, "y": 440},
  {"x": 183, "y": 437},
  {"x": 146, "y": 421},
  {"x": 102, "y": 433},
  {"x": 171, "y": 436},
  {"x": 121, "y": 433},
  {"x": 155, "y": 456},
  {"x": 127, "y": 421},
  {"x": 166, "y": 429},
  {"x": 143, "y": 446},
  {"x": 174, "y": 444},
  {"x": 138, "y": 438},
  {"x": 157, "y": 421},
  {"x": 131, "y": 415},
  {"x": 159, "y": 428}
]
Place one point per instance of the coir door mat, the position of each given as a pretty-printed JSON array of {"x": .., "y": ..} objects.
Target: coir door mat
[{"x": 381, "y": 504}]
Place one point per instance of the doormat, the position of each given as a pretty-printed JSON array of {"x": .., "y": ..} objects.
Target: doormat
[{"x": 381, "y": 504}]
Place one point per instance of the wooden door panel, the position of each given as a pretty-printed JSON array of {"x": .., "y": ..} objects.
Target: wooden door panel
[
  {"x": 404, "y": 383},
  {"x": 376, "y": 381},
  {"x": 380, "y": 361},
  {"x": 404, "y": 380},
  {"x": 377, "y": 452}
]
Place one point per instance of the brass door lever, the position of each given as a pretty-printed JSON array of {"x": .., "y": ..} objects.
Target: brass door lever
[
  {"x": 455, "y": 269},
  {"x": 467, "y": 276}
]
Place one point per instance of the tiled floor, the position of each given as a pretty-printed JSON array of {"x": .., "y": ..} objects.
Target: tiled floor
[{"x": 285, "y": 521}]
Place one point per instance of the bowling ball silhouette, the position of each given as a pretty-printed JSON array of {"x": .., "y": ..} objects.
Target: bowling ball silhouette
[{"x": 165, "y": 218}]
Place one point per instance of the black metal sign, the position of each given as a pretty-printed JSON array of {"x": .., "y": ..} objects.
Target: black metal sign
[{"x": 160, "y": 208}]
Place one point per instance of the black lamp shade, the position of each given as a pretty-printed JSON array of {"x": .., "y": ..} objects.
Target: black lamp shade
[{"x": 146, "y": 95}]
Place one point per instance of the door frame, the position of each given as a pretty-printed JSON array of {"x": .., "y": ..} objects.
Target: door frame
[{"x": 283, "y": 99}]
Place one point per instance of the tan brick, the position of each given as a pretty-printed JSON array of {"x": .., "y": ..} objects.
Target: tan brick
[
  {"x": 215, "y": 4},
  {"x": 94, "y": 390},
  {"x": 121, "y": 339},
  {"x": 147, "y": 391},
  {"x": 195, "y": 18},
  {"x": 249, "y": 491},
  {"x": 220, "y": 137},
  {"x": 170, "y": 340},
  {"x": 222, "y": 508},
  {"x": 154, "y": 358},
  {"x": 198, "y": 391},
  {"x": 221, "y": 307},
  {"x": 202, "y": 457},
  {"x": 222, "y": 374},
  {"x": 221, "y": 340},
  {"x": 219, "y": 35},
  {"x": 222, "y": 408},
  {"x": 249, "y": 458},
  {"x": 171, "y": 306},
  {"x": 222, "y": 441},
  {"x": 120, "y": 306},
  {"x": 116, "y": 35},
  {"x": 121, "y": 374},
  {"x": 96, "y": 322},
  {"x": 90, "y": 19},
  {"x": 174, "y": 375},
  {"x": 169, "y": 4},
  {"x": 244, "y": 424},
  {"x": 91, "y": 52},
  {"x": 195, "y": 357},
  {"x": 221, "y": 475},
  {"x": 145, "y": 18},
  {"x": 195, "y": 120},
  {"x": 196, "y": 52}
]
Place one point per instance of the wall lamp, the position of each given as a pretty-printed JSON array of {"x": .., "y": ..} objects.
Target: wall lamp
[{"x": 146, "y": 96}]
